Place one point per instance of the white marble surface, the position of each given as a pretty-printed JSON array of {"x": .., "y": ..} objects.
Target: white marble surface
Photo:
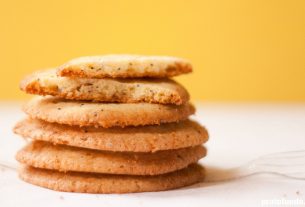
[{"x": 238, "y": 133}]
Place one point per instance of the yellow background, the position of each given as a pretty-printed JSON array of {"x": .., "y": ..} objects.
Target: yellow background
[{"x": 241, "y": 50}]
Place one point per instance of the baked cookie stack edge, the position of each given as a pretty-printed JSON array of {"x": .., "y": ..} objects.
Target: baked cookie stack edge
[{"x": 111, "y": 124}]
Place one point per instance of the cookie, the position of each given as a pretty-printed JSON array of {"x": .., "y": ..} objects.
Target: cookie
[
  {"x": 106, "y": 115},
  {"x": 163, "y": 91},
  {"x": 136, "y": 139},
  {"x": 105, "y": 183},
  {"x": 125, "y": 66},
  {"x": 64, "y": 158}
]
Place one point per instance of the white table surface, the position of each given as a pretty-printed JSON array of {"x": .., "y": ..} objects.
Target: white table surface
[{"x": 238, "y": 133}]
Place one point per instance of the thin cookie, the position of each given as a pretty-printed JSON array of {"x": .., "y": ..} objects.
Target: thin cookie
[
  {"x": 164, "y": 91},
  {"x": 63, "y": 158},
  {"x": 104, "y": 183},
  {"x": 125, "y": 66},
  {"x": 106, "y": 115},
  {"x": 135, "y": 139}
]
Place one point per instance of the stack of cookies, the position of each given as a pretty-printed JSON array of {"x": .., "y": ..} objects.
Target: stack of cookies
[{"x": 111, "y": 124}]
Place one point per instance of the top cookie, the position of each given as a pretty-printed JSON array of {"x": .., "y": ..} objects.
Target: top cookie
[{"x": 125, "y": 66}]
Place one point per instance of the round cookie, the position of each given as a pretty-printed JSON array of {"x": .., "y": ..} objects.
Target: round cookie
[
  {"x": 104, "y": 183},
  {"x": 135, "y": 139},
  {"x": 45, "y": 155},
  {"x": 164, "y": 91},
  {"x": 125, "y": 66},
  {"x": 106, "y": 115}
]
